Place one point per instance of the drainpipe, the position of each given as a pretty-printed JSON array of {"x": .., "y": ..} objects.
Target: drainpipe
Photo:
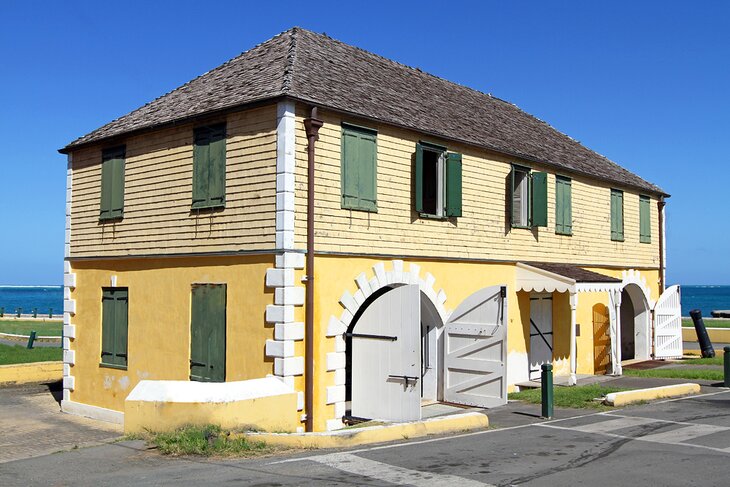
[
  {"x": 662, "y": 266},
  {"x": 312, "y": 126}
]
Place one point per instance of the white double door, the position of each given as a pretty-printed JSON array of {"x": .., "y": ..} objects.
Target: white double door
[{"x": 387, "y": 369}]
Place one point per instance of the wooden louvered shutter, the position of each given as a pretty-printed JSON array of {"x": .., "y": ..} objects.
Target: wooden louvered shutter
[
  {"x": 539, "y": 199},
  {"x": 108, "y": 312},
  {"x": 644, "y": 219},
  {"x": 367, "y": 172},
  {"x": 453, "y": 184},
  {"x": 200, "y": 167},
  {"x": 112, "y": 183},
  {"x": 617, "y": 215},
  {"x": 418, "y": 179},
  {"x": 563, "y": 206},
  {"x": 120, "y": 326},
  {"x": 217, "y": 166}
]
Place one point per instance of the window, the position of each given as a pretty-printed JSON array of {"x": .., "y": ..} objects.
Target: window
[
  {"x": 209, "y": 166},
  {"x": 437, "y": 182},
  {"x": 563, "y": 206},
  {"x": 359, "y": 169},
  {"x": 114, "y": 303},
  {"x": 112, "y": 183},
  {"x": 528, "y": 198},
  {"x": 617, "y": 215},
  {"x": 644, "y": 219}
]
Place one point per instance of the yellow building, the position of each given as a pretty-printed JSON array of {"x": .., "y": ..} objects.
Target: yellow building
[{"x": 372, "y": 236}]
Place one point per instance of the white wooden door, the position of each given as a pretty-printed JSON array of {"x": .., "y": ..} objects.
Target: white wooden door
[
  {"x": 475, "y": 350},
  {"x": 668, "y": 324},
  {"x": 541, "y": 333},
  {"x": 386, "y": 357}
]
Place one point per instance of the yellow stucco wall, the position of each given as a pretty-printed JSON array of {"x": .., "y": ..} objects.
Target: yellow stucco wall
[{"x": 159, "y": 321}]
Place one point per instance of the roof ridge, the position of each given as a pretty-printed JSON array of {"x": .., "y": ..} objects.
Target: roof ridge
[
  {"x": 397, "y": 63},
  {"x": 290, "y": 59}
]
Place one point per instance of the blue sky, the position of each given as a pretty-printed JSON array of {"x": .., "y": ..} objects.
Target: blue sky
[{"x": 644, "y": 83}]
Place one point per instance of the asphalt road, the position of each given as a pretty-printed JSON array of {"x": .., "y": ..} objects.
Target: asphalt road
[{"x": 676, "y": 442}]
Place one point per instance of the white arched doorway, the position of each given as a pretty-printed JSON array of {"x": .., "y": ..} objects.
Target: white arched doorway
[
  {"x": 635, "y": 323},
  {"x": 393, "y": 355}
]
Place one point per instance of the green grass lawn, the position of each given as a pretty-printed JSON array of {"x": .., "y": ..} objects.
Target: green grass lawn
[
  {"x": 569, "y": 397},
  {"x": 694, "y": 373},
  {"x": 43, "y": 328},
  {"x": 687, "y": 322},
  {"x": 18, "y": 354},
  {"x": 206, "y": 441}
]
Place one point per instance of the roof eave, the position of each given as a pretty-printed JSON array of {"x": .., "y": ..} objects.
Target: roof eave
[{"x": 180, "y": 121}]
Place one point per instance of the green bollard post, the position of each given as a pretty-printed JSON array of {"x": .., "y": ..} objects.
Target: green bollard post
[
  {"x": 546, "y": 380},
  {"x": 35, "y": 312},
  {"x": 31, "y": 339},
  {"x": 50, "y": 312},
  {"x": 18, "y": 311},
  {"x": 726, "y": 363}
]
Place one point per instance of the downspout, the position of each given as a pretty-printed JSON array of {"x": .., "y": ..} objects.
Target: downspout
[
  {"x": 312, "y": 126},
  {"x": 662, "y": 271}
]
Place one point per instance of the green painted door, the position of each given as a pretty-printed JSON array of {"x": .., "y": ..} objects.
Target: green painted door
[{"x": 208, "y": 333}]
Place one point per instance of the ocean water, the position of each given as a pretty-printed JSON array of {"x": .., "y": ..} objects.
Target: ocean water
[
  {"x": 29, "y": 297},
  {"x": 705, "y": 298}
]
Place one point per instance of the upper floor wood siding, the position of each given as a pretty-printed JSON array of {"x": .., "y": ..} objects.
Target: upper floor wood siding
[
  {"x": 483, "y": 232},
  {"x": 158, "y": 218}
]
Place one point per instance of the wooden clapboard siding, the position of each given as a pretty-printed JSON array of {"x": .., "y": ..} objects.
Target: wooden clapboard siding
[
  {"x": 158, "y": 194},
  {"x": 482, "y": 232}
]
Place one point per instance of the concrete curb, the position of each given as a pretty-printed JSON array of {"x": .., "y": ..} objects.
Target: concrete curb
[
  {"x": 374, "y": 434},
  {"x": 12, "y": 337},
  {"x": 32, "y": 372},
  {"x": 717, "y": 335},
  {"x": 638, "y": 395}
]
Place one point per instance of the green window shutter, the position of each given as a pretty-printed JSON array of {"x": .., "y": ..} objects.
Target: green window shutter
[
  {"x": 644, "y": 219},
  {"x": 539, "y": 199},
  {"x": 108, "y": 312},
  {"x": 418, "y": 179},
  {"x": 513, "y": 197},
  {"x": 367, "y": 172},
  {"x": 112, "y": 183},
  {"x": 120, "y": 327},
  {"x": 563, "y": 203},
  {"x": 617, "y": 215},
  {"x": 217, "y": 166},
  {"x": 453, "y": 184},
  {"x": 209, "y": 166},
  {"x": 359, "y": 169},
  {"x": 350, "y": 176},
  {"x": 208, "y": 333}
]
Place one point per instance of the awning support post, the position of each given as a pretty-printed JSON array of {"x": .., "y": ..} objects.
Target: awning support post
[
  {"x": 573, "y": 347},
  {"x": 616, "y": 343}
]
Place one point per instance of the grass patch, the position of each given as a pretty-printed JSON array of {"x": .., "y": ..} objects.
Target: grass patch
[
  {"x": 719, "y": 323},
  {"x": 18, "y": 354},
  {"x": 42, "y": 328},
  {"x": 694, "y": 373},
  {"x": 569, "y": 397},
  {"x": 206, "y": 441}
]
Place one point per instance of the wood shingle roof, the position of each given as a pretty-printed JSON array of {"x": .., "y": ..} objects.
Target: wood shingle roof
[{"x": 317, "y": 69}]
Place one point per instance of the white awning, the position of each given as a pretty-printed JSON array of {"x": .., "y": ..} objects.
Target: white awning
[{"x": 561, "y": 278}]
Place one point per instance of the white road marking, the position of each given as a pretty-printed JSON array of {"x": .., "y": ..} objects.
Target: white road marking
[
  {"x": 613, "y": 424},
  {"x": 385, "y": 472},
  {"x": 548, "y": 424},
  {"x": 684, "y": 434}
]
